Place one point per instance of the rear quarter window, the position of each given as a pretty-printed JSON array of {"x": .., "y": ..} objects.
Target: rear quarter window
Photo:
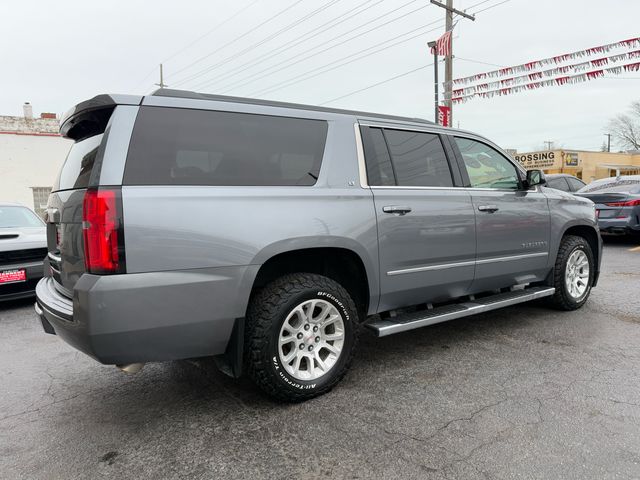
[
  {"x": 76, "y": 170},
  {"x": 174, "y": 146}
]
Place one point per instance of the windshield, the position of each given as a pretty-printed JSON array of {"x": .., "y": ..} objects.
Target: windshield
[{"x": 18, "y": 217}]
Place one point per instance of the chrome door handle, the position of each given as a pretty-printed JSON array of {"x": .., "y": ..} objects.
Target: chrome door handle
[
  {"x": 397, "y": 210},
  {"x": 488, "y": 208}
]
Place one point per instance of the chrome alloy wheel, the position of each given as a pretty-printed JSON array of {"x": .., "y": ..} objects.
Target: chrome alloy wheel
[
  {"x": 576, "y": 274},
  {"x": 311, "y": 339}
]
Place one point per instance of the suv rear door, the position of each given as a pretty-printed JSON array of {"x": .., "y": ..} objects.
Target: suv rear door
[
  {"x": 426, "y": 224},
  {"x": 512, "y": 224}
]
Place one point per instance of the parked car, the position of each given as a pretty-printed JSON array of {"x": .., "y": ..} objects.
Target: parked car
[
  {"x": 564, "y": 182},
  {"x": 23, "y": 247},
  {"x": 266, "y": 234},
  {"x": 617, "y": 203}
]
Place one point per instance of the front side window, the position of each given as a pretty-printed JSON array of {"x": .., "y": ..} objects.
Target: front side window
[
  {"x": 575, "y": 184},
  {"x": 487, "y": 168},
  {"x": 176, "y": 146}
]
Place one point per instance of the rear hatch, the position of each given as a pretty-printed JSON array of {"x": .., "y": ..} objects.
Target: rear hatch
[{"x": 64, "y": 214}]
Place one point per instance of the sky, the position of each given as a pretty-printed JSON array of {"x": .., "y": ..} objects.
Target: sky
[{"x": 57, "y": 54}]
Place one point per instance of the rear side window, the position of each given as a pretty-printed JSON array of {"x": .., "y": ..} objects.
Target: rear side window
[
  {"x": 377, "y": 159},
  {"x": 418, "y": 159},
  {"x": 559, "y": 183},
  {"x": 76, "y": 170},
  {"x": 172, "y": 146},
  {"x": 575, "y": 184},
  {"x": 405, "y": 158}
]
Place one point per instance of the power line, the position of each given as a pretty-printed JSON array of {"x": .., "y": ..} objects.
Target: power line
[
  {"x": 221, "y": 24},
  {"x": 231, "y": 42},
  {"x": 224, "y": 22},
  {"x": 306, "y": 56},
  {"x": 479, "y": 62},
  {"x": 297, "y": 79},
  {"x": 252, "y": 78},
  {"x": 491, "y": 6},
  {"x": 250, "y": 48},
  {"x": 294, "y": 42},
  {"x": 378, "y": 83}
]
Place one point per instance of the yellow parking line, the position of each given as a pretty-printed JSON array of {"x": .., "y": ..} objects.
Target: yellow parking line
[{"x": 635, "y": 249}]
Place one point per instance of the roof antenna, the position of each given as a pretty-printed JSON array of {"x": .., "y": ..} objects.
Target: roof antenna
[{"x": 161, "y": 84}]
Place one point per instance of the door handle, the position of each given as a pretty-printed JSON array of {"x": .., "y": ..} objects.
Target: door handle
[
  {"x": 488, "y": 208},
  {"x": 396, "y": 210}
]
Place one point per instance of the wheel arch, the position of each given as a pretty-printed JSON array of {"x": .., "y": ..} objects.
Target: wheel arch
[
  {"x": 341, "y": 259},
  {"x": 592, "y": 236}
]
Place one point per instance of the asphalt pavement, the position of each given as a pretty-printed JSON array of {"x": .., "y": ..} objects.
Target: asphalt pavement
[{"x": 524, "y": 392}]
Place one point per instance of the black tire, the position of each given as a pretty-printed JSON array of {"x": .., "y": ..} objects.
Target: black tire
[
  {"x": 265, "y": 316},
  {"x": 562, "y": 298}
]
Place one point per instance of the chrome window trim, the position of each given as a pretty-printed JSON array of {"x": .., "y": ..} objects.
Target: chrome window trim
[
  {"x": 362, "y": 168},
  {"x": 407, "y": 187},
  {"x": 482, "y": 261}
]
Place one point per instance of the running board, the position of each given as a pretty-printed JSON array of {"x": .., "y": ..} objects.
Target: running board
[{"x": 409, "y": 321}]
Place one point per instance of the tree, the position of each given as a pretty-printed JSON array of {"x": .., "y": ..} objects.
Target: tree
[{"x": 625, "y": 127}]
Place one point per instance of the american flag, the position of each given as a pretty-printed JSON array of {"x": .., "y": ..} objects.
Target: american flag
[{"x": 443, "y": 45}]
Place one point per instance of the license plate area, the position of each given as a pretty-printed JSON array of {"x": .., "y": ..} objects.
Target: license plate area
[{"x": 13, "y": 276}]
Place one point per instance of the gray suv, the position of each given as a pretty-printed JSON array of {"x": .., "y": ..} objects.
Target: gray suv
[{"x": 268, "y": 234}]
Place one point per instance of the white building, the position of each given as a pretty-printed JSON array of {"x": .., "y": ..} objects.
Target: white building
[{"x": 31, "y": 154}]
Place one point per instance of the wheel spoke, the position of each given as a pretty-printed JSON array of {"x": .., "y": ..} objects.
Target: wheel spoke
[
  {"x": 334, "y": 336},
  {"x": 287, "y": 359}
]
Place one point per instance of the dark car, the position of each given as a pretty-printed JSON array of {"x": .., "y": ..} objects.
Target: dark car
[
  {"x": 23, "y": 247},
  {"x": 617, "y": 203},
  {"x": 564, "y": 182}
]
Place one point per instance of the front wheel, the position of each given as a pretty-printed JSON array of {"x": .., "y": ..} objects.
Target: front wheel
[
  {"x": 302, "y": 330},
  {"x": 573, "y": 273}
]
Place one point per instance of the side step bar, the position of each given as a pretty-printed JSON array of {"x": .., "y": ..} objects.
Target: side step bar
[{"x": 409, "y": 321}]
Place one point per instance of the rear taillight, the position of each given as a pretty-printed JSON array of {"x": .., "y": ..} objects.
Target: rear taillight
[
  {"x": 102, "y": 231},
  {"x": 629, "y": 203}
]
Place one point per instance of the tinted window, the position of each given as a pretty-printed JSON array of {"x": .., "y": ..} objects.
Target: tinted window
[
  {"x": 575, "y": 184},
  {"x": 486, "y": 167},
  {"x": 379, "y": 169},
  {"x": 18, "y": 217},
  {"x": 172, "y": 146},
  {"x": 418, "y": 159},
  {"x": 558, "y": 183},
  {"x": 77, "y": 167}
]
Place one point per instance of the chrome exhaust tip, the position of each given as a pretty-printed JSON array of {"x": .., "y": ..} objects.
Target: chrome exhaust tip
[{"x": 131, "y": 368}]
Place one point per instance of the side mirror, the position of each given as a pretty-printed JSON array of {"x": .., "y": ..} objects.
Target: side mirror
[{"x": 534, "y": 177}]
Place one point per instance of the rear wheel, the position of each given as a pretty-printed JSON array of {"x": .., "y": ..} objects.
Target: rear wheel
[
  {"x": 573, "y": 273},
  {"x": 302, "y": 330}
]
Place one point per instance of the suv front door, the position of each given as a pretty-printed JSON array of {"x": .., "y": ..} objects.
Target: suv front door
[
  {"x": 426, "y": 221},
  {"x": 512, "y": 224}
]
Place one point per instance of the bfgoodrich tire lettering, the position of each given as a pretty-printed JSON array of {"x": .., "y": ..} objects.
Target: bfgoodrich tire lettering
[
  {"x": 571, "y": 247},
  {"x": 273, "y": 311}
]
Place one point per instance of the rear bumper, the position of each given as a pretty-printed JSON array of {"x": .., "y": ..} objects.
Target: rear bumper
[
  {"x": 619, "y": 225},
  {"x": 14, "y": 291},
  {"x": 147, "y": 317}
]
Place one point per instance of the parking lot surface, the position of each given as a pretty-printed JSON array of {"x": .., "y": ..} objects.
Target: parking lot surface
[{"x": 524, "y": 392}]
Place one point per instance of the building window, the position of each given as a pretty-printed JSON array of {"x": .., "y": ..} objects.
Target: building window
[{"x": 40, "y": 198}]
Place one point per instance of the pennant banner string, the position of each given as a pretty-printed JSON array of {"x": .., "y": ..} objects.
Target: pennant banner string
[{"x": 531, "y": 66}]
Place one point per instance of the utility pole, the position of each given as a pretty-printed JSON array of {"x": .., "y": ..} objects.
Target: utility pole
[
  {"x": 448, "y": 61},
  {"x": 161, "y": 84},
  {"x": 608, "y": 135},
  {"x": 432, "y": 45},
  {"x": 548, "y": 143}
]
